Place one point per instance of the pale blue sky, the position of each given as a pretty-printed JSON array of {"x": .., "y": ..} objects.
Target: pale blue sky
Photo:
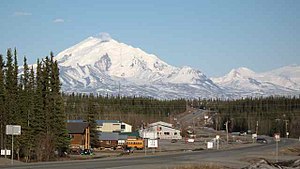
[{"x": 212, "y": 36}]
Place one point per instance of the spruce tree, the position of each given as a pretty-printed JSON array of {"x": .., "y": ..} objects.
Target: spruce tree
[
  {"x": 91, "y": 119},
  {"x": 58, "y": 114},
  {"x": 2, "y": 102}
]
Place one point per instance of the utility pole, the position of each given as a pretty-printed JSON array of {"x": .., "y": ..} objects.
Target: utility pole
[
  {"x": 227, "y": 130},
  {"x": 257, "y": 127},
  {"x": 286, "y": 129},
  {"x": 1, "y": 143},
  {"x": 217, "y": 121}
]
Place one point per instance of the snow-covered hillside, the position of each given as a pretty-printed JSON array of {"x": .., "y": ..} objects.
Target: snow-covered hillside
[
  {"x": 245, "y": 82},
  {"x": 104, "y": 66}
]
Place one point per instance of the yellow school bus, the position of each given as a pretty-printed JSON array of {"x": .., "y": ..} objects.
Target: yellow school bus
[{"x": 136, "y": 144}]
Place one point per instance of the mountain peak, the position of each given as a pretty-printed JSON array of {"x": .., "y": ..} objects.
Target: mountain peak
[
  {"x": 241, "y": 72},
  {"x": 100, "y": 63},
  {"x": 103, "y": 37}
]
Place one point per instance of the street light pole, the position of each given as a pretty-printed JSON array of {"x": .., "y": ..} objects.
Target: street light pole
[{"x": 227, "y": 130}]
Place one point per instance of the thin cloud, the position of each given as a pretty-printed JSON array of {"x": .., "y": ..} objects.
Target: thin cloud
[
  {"x": 58, "y": 20},
  {"x": 20, "y": 13}
]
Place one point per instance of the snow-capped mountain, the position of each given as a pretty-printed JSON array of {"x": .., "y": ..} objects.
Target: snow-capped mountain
[
  {"x": 104, "y": 65},
  {"x": 245, "y": 82}
]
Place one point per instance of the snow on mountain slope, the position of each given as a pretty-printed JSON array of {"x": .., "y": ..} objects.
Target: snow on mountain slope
[
  {"x": 245, "y": 82},
  {"x": 103, "y": 65},
  {"x": 288, "y": 76}
]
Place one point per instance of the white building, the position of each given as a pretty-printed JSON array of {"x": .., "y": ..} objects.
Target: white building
[
  {"x": 163, "y": 130},
  {"x": 113, "y": 126},
  {"x": 148, "y": 133}
]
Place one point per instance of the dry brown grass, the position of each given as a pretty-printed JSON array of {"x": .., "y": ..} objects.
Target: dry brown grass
[
  {"x": 206, "y": 166},
  {"x": 295, "y": 150}
]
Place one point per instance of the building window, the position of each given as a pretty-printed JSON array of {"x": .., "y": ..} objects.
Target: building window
[
  {"x": 122, "y": 126},
  {"x": 166, "y": 133},
  {"x": 175, "y": 133}
]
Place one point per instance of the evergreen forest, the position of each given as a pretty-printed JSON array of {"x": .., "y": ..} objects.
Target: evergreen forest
[{"x": 264, "y": 115}]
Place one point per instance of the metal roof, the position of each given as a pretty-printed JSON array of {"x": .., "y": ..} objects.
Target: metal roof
[
  {"x": 74, "y": 121},
  {"x": 77, "y": 127},
  {"x": 108, "y": 136}
]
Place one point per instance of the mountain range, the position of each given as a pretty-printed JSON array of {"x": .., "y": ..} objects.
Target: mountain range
[{"x": 102, "y": 65}]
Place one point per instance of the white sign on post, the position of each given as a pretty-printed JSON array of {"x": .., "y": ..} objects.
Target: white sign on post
[
  {"x": 277, "y": 137},
  {"x": 152, "y": 143},
  {"x": 5, "y": 152},
  {"x": 13, "y": 130},
  {"x": 210, "y": 145}
]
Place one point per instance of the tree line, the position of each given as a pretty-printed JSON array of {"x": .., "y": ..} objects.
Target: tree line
[
  {"x": 130, "y": 109},
  {"x": 267, "y": 115},
  {"x": 33, "y": 100}
]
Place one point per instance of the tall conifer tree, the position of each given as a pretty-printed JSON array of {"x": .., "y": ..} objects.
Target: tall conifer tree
[{"x": 2, "y": 103}]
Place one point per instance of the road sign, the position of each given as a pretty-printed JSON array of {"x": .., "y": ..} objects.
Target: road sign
[
  {"x": 5, "y": 152},
  {"x": 277, "y": 136},
  {"x": 152, "y": 143},
  {"x": 210, "y": 145},
  {"x": 13, "y": 130}
]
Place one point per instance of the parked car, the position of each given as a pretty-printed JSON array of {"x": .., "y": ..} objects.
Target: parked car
[
  {"x": 261, "y": 140},
  {"x": 86, "y": 152},
  {"x": 128, "y": 150},
  {"x": 243, "y": 133}
]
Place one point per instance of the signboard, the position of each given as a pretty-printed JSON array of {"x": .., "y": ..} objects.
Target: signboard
[
  {"x": 152, "y": 143},
  {"x": 191, "y": 140},
  {"x": 5, "y": 152},
  {"x": 13, "y": 130},
  {"x": 210, "y": 145},
  {"x": 277, "y": 136},
  {"x": 254, "y": 136}
]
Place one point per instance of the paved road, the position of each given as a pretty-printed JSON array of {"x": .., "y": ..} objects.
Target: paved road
[
  {"x": 161, "y": 161},
  {"x": 193, "y": 117}
]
